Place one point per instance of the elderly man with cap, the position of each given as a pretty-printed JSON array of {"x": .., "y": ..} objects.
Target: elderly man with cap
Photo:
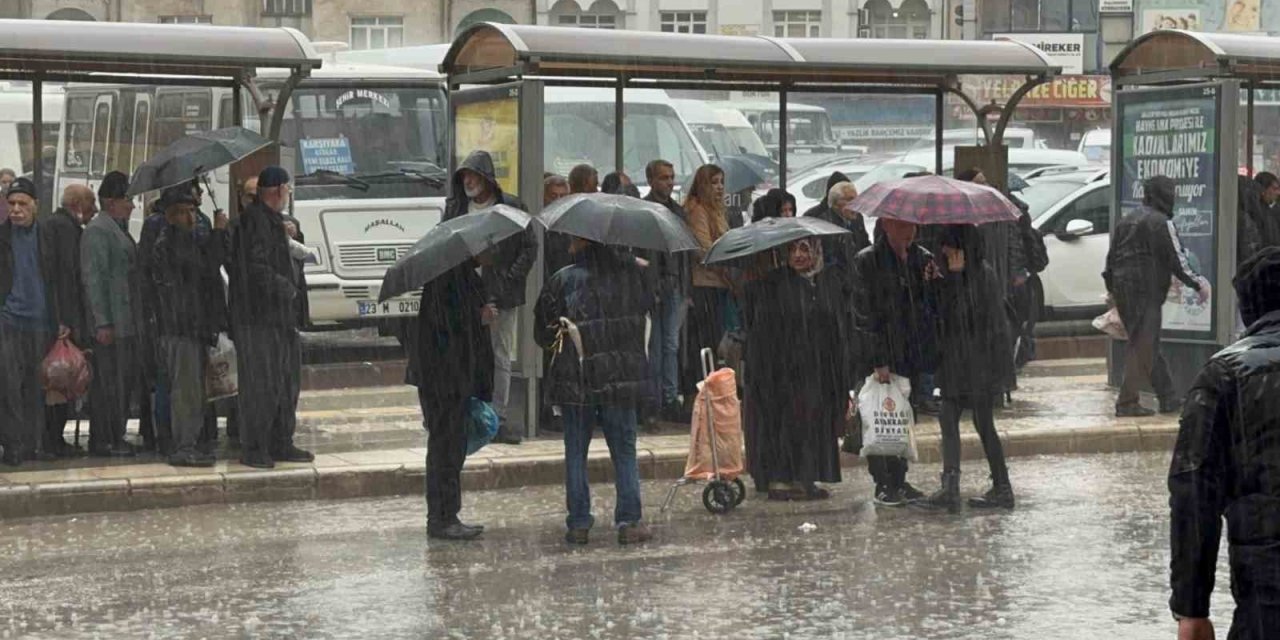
[
  {"x": 108, "y": 264},
  {"x": 190, "y": 313},
  {"x": 39, "y": 300},
  {"x": 265, "y": 299}
]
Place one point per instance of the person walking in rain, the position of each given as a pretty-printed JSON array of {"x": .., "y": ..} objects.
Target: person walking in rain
[
  {"x": 264, "y": 317},
  {"x": 894, "y": 313},
  {"x": 108, "y": 261},
  {"x": 796, "y": 379},
  {"x": 39, "y": 300},
  {"x": 592, "y": 316},
  {"x": 453, "y": 337},
  {"x": 975, "y": 363},
  {"x": 1224, "y": 465},
  {"x": 475, "y": 186},
  {"x": 671, "y": 274},
  {"x": 1140, "y": 262},
  {"x": 191, "y": 312}
]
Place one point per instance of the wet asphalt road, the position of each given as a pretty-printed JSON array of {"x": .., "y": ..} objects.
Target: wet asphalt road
[{"x": 1084, "y": 556}]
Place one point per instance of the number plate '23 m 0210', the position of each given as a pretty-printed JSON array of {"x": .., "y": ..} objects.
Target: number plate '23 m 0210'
[{"x": 369, "y": 308}]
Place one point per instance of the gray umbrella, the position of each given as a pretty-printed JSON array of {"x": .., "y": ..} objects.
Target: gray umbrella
[
  {"x": 193, "y": 155},
  {"x": 449, "y": 244},
  {"x": 767, "y": 234},
  {"x": 619, "y": 220}
]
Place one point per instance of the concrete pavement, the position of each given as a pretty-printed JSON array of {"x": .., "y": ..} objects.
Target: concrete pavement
[{"x": 363, "y": 449}]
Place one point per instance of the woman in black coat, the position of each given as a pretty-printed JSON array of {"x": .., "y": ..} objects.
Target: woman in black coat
[
  {"x": 975, "y": 362},
  {"x": 797, "y": 391}
]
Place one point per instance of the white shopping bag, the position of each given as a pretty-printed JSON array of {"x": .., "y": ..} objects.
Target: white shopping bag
[
  {"x": 220, "y": 377},
  {"x": 887, "y": 418},
  {"x": 1110, "y": 324}
]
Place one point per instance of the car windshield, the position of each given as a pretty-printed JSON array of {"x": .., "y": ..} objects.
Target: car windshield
[
  {"x": 582, "y": 133},
  {"x": 1041, "y": 195},
  {"x": 361, "y": 143}
]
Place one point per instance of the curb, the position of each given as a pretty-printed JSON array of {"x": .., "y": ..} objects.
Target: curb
[{"x": 298, "y": 482}]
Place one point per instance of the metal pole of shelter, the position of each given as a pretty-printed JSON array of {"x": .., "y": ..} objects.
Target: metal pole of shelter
[
  {"x": 619, "y": 110},
  {"x": 1248, "y": 131},
  {"x": 937, "y": 133},
  {"x": 782, "y": 138},
  {"x": 37, "y": 138},
  {"x": 237, "y": 106}
]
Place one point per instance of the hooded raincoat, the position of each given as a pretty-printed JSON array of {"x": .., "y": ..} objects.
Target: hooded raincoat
[{"x": 504, "y": 281}]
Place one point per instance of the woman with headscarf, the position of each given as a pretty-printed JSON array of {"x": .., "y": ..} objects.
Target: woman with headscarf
[
  {"x": 796, "y": 386},
  {"x": 704, "y": 207},
  {"x": 975, "y": 362}
]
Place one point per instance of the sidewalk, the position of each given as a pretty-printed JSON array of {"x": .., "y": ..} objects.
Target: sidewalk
[{"x": 1062, "y": 406}]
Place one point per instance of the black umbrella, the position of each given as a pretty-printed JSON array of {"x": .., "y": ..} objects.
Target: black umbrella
[
  {"x": 619, "y": 220},
  {"x": 740, "y": 172},
  {"x": 193, "y": 155},
  {"x": 767, "y": 234},
  {"x": 449, "y": 244}
]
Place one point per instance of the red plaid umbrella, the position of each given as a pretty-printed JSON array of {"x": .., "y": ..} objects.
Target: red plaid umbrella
[{"x": 935, "y": 200}]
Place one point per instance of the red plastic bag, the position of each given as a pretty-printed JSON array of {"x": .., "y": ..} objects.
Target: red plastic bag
[{"x": 65, "y": 372}]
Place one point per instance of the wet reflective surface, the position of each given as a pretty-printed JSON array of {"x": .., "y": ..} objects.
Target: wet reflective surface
[{"x": 1085, "y": 555}]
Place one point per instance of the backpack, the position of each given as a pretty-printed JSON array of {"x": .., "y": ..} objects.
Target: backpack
[{"x": 1037, "y": 256}]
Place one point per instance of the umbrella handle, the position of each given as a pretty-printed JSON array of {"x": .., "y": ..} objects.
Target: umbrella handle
[{"x": 209, "y": 190}]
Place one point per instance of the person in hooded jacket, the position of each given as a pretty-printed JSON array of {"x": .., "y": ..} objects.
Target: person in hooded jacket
[
  {"x": 1224, "y": 465},
  {"x": 1140, "y": 263},
  {"x": 775, "y": 203},
  {"x": 475, "y": 186},
  {"x": 796, "y": 379},
  {"x": 591, "y": 314},
  {"x": 452, "y": 335},
  {"x": 975, "y": 362}
]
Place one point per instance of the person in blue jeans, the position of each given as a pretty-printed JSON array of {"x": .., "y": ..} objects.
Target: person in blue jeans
[
  {"x": 592, "y": 316},
  {"x": 670, "y": 275}
]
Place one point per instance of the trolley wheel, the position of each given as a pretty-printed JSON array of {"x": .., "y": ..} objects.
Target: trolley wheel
[
  {"x": 739, "y": 491},
  {"x": 718, "y": 497}
]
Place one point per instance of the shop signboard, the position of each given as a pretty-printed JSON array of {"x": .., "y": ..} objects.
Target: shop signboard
[{"x": 1064, "y": 49}]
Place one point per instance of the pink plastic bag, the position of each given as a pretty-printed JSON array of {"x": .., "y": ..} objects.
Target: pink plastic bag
[{"x": 65, "y": 372}]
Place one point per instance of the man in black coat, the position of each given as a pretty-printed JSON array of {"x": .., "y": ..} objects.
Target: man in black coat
[
  {"x": 452, "y": 336},
  {"x": 1224, "y": 464},
  {"x": 79, "y": 205},
  {"x": 895, "y": 315},
  {"x": 39, "y": 300},
  {"x": 1140, "y": 263},
  {"x": 592, "y": 315},
  {"x": 475, "y": 186},
  {"x": 264, "y": 316},
  {"x": 190, "y": 314}
]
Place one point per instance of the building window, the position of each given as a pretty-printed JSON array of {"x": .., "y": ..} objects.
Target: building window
[
  {"x": 186, "y": 19},
  {"x": 911, "y": 20},
  {"x": 797, "y": 24},
  {"x": 283, "y": 8},
  {"x": 1039, "y": 16},
  {"x": 603, "y": 14},
  {"x": 377, "y": 32},
  {"x": 684, "y": 21}
]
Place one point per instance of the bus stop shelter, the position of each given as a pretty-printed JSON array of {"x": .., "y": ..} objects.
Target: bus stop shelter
[
  {"x": 1185, "y": 109},
  {"x": 504, "y": 68},
  {"x": 40, "y": 51}
]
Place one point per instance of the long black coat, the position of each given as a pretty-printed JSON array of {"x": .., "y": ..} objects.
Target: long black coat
[
  {"x": 796, "y": 377},
  {"x": 452, "y": 347},
  {"x": 188, "y": 286},
  {"x": 975, "y": 346},
  {"x": 504, "y": 280},
  {"x": 1142, "y": 258},
  {"x": 1225, "y": 464},
  {"x": 895, "y": 310},
  {"x": 607, "y": 298},
  {"x": 264, "y": 289}
]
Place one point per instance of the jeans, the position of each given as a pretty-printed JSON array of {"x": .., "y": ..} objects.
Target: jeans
[
  {"x": 502, "y": 333},
  {"x": 664, "y": 345},
  {"x": 619, "y": 426}
]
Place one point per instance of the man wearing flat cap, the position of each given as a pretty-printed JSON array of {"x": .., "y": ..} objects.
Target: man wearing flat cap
[
  {"x": 265, "y": 299},
  {"x": 108, "y": 263},
  {"x": 38, "y": 301}
]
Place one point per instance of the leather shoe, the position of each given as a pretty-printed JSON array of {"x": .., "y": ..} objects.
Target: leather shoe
[
  {"x": 455, "y": 531},
  {"x": 191, "y": 459},
  {"x": 1134, "y": 411},
  {"x": 294, "y": 454},
  {"x": 1170, "y": 405},
  {"x": 258, "y": 461}
]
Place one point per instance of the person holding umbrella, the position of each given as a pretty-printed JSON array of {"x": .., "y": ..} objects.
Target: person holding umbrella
[{"x": 975, "y": 362}]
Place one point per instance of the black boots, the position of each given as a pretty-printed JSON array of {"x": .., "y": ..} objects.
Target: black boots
[
  {"x": 1000, "y": 496},
  {"x": 947, "y": 496}
]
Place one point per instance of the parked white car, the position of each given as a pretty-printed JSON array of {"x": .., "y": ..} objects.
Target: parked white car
[
  {"x": 1096, "y": 145},
  {"x": 1073, "y": 212}
]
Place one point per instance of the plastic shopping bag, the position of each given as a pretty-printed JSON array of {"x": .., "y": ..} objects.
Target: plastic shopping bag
[
  {"x": 65, "y": 372},
  {"x": 1110, "y": 324},
  {"x": 220, "y": 377},
  {"x": 887, "y": 418},
  {"x": 481, "y": 426},
  {"x": 716, "y": 407}
]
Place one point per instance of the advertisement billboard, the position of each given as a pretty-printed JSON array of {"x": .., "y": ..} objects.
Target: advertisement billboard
[{"x": 488, "y": 119}]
